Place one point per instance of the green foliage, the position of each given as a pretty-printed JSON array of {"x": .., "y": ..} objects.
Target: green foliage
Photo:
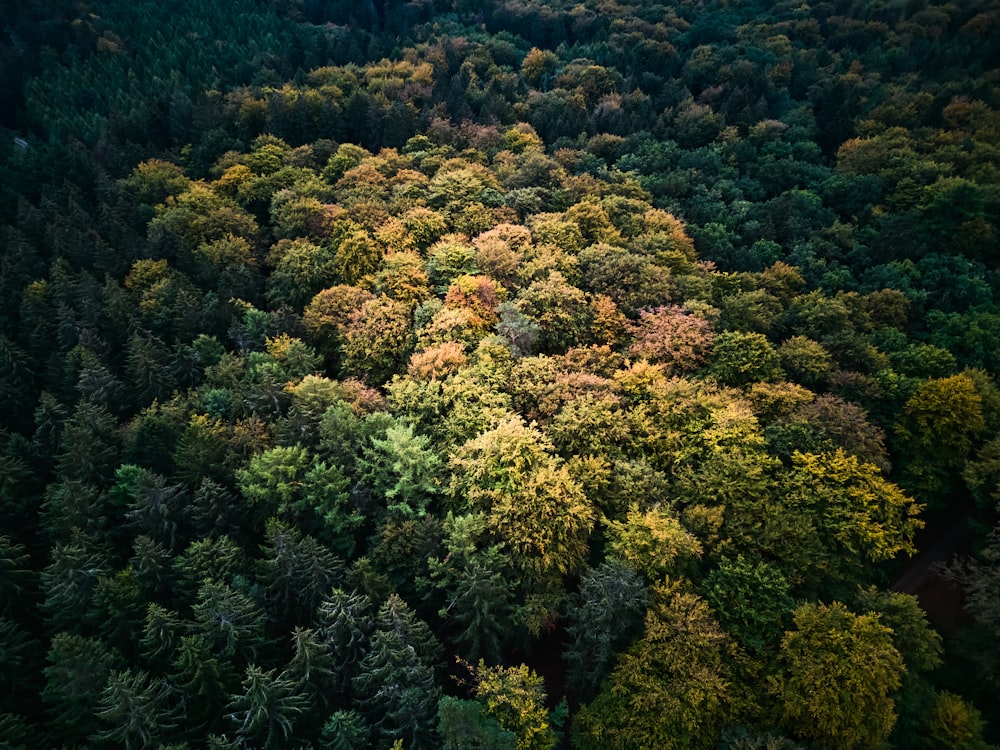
[
  {"x": 604, "y": 616},
  {"x": 377, "y": 340},
  {"x": 478, "y": 604},
  {"x": 395, "y": 682},
  {"x": 16, "y": 575},
  {"x": 937, "y": 431},
  {"x": 230, "y": 621},
  {"x": 464, "y": 724},
  {"x": 953, "y": 723},
  {"x": 839, "y": 671},
  {"x": 866, "y": 514},
  {"x": 672, "y": 688},
  {"x": 653, "y": 542},
  {"x": 559, "y": 309},
  {"x": 265, "y": 712},
  {"x": 77, "y": 671},
  {"x": 296, "y": 572},
  {"x": 752, "y": 601},
  {"x": 515, "y": 698},
  {"x": 70, "y": 581},
  {"x": 533, "y": 508},
  {"x": 89, "y": 445},
  {"x": 19, "y": 653},
  {"x": 205, "y": 680},
  {"x": 346, "y": 622},
  {"x": 344, "y": 730},
  {"x": 805, "y": 360},
  {"x": 740, "y": 358},
  {"x": 403, "y": 469},
  {"x": 136, "y": 710},
  {"x": 864, "y": 519},
  {"x": 272, "y": 482}
]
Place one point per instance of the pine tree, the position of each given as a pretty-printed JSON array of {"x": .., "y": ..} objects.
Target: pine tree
[
  {"x": 395, "y": 684},
  {"x": 231, "y": 622},
  {"x": 70, "y": 582},
  {"x": 205, "y": 681},
  {"x": 603, "y": 616},
  {"x": 346, "y": 623},
  {"x": 265, "y": 712},
  {"x": 161, "y": 633},
  {"x": 138, "y": 710},
  {"x": 297, "y": 572},
  {"x": 78, "y": 669},
  {"x": 344, "y": 730},
  {"x": 395, "y": 691}
]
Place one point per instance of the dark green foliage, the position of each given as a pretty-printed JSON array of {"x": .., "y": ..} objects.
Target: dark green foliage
[
  {"x": 70, "y": 582},
  {"x": 311, "y": 661},
  {"x": 395, "y": 682},
  {"x": 265, "y": 711},
  {"x": 17, "y": 579},
  {"x": 296, "y": 573},
  {"x": 161, "y": 634},
  {"x": 15, "y": 382},
  {"x": 344, "y": 730},
  {"x": 463, "y": 724},
  {"x": 741, "y": 358},
  {"x": 152, "y": 507},
  {"x": 752, "y": 601},
  {"x": 346, "y": 622},
  {"x": 77, "y": 672},
  {"x": 214, "y": 509},
  {"x": 401, "y": 551},
  {"x": 16, "y": 731},
  {"x": 213, "y": 559},
  {"x": 479, "y": 605},
  {"x": 839, "y": 671},
  {"x": 605, "y": 615},
  {"x": 230, "y": 621},
  {"x": 137, "y": 710},
  {"x": 205, "y": 680},
  {"x": 89, "y": 445},
  {"x": 395, "y": 691},
  {"x": 19, "y": 659}
]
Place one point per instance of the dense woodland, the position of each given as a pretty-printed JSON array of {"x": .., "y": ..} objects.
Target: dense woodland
[{"x": 498, "y": 374}]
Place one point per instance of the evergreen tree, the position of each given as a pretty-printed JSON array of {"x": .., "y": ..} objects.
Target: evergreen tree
[
  {"x": 603, "y": 617},
  {"x": 296, "y": 572},
  {"x": 265, "y": 712},
  {"x": 205, "y": 681},
  {"x": 346, "y": 624},
  {"x": 136, "y": 709},
  {"x": 230, "y": 621},
  {"x": 395, "y": 683},
  {"x": 77, "y": 672},
  {"x": 70, "y": 581},
  {"x": 344, "y": 730}
]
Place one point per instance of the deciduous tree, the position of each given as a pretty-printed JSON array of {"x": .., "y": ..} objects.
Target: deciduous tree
[
  {"x": 672, "y": 688},
  {"x": 839, "y": 671}
]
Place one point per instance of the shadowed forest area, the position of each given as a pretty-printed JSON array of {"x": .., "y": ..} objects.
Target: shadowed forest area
[{"x": 500, "y": 374}]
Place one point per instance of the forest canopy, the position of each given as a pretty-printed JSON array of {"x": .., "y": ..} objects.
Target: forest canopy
[{"x": 500, "y": 374}]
